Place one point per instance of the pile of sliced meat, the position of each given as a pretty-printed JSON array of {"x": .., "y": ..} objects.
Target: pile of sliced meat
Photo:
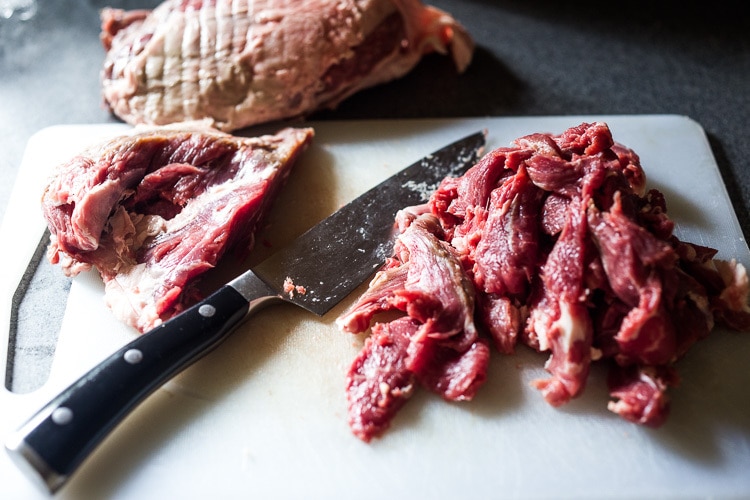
[
  {"x": 554, "y": 243},
  {"x": 154, "y": 210}
]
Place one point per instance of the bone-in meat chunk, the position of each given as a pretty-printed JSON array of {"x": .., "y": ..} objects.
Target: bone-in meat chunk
[{"x": 154, "y": 210}]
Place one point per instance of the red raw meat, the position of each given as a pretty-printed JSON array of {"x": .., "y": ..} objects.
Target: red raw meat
[
  {"x": 242, "y": 63},
  {"x": 436, "y": 344},
  {"x": 379, "y": 381},
  {"x": 568, "y": 253},
  {"x": 559, "y": 320},
  {"x": 154, "y": 210},
  {"x": 640, "y": 393}
]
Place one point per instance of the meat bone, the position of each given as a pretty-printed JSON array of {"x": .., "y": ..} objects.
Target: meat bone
[{"x": 330, "y": 260}]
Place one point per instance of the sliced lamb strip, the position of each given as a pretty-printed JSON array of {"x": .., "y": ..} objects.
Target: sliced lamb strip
[
  {"x": 632, "y": 258},
  {"x": 463, "y": 207},
  {"x": 504, "y": 320},
  {"x": 242, "y": 63},
  {"x": 553, "y": 213},
  {"x": 690, "y": 309},
  {"x": 379, "y": 382},
  {"x": 394, "y": 359},
  {"x": 640, "y": 393},
  {"x": 558, "y": 318},
  {"x": 630, "y": 164},
  {"x": 561, "y": 161},
  {"x": 731, "y": 306},
  {"x": 647, "y": 333},
  {"x": 154, "y": 210},
  {"x": 460, "y": 203},
  {"x": 436, "y": 344},
  {"x": 381, "y": 295},
  {"x": 437, "y": 292},
  {"x": 507, "y": 255},
  {"x": 455, "y": 375},
  {"x": 726, "y": 283},
  {"x": 587, "y": 139},
  {"x": 652, "y": 215},
  {"x": 427, "y": 282},
  {"x": 555, "y": 174}
]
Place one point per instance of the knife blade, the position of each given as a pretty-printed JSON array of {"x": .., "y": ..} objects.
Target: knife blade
[{"x": 316, "y": 271}]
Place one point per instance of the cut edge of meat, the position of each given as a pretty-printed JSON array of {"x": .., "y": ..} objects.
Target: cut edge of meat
[{"x": 150, "y": 263}]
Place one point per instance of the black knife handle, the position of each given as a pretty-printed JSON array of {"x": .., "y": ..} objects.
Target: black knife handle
[{"x": 61, "y": 435}]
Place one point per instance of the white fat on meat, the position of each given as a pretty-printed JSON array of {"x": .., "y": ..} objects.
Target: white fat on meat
[
  {"x": 244, "y": 63},
  {"x": 566, "y": 326},
  {"x": 737, "y": 284},
  {"x": 128, "y": 295}
]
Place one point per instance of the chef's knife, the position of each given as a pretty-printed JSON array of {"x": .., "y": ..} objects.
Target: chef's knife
[{"x": 316, "y": 271}]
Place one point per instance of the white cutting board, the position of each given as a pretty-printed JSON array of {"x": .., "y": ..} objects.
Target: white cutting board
[{"x": 264, "y": 416}]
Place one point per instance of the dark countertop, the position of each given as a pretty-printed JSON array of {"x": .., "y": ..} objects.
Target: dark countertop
[{"x": 532, "y": 58}]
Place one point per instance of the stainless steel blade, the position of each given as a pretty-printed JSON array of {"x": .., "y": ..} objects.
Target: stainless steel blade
[{"x": 333, "y": 258}]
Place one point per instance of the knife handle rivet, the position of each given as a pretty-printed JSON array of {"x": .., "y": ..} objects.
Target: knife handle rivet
[
  {"x": 206, "y": 310},
  {"x": 133, "y": 356},
  {"x": 62, "y": 415}
]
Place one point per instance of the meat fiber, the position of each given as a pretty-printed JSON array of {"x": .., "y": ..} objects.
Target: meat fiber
[
  {"x": 154, "y": 210},
  {"x": 243, "y": 63},
  {"x": 436, "y": 345},
  {"x": 558, "y": 319},
  {"x": 565, "y": 251}
]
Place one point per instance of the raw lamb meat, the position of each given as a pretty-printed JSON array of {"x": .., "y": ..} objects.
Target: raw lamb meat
[
  {"x": 243, "y": 63},
  {"x": 154, "y": 210},
  {"x": 436, "y": 345},
  {"x": 557, "y": 244}
]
